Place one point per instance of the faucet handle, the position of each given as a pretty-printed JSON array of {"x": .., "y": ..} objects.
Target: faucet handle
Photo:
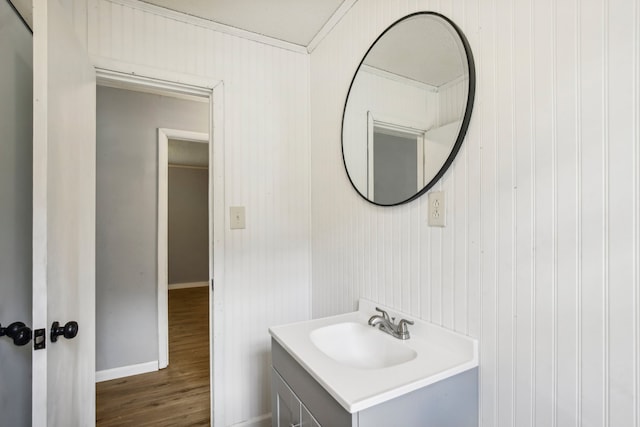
[
  {"x": 404, "y": 322},
  {"x": 403, "y": 331},
  {"x": 385, "y": 315}
]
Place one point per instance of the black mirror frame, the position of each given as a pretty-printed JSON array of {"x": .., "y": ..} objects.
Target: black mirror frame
[{"x": 465, "y": 121}]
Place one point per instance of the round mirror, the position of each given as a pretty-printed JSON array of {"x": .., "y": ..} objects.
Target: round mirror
[{"x": 408, "y": 109}]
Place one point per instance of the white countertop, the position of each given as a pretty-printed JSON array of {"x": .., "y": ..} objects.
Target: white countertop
[{"x": 441, "y": 353}]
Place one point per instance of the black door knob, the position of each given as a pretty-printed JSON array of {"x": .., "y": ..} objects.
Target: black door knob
[
  {"x": 18, "y": 331},
  {"x": 69, "y": 330}
]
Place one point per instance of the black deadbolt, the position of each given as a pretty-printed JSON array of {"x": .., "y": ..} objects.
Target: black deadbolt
[
  {"x": 18, "y": 331},
  {"x": 69, "y": 330}
]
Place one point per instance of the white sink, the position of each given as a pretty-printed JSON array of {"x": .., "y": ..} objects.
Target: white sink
[
  {"x": 360, "y": 366},
  {"x": 361, "y": 346}
]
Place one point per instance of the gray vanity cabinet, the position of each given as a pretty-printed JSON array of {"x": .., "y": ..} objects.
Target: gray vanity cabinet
[
  {"x": 299, "y": 400},
  {"x": 307, "y": 418},
  {"x": 286, "y": 406},
  {"x": 287, "y": 409}
]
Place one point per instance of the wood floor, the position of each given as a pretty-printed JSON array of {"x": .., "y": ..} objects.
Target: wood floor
[{"x": 177, "y": 395}]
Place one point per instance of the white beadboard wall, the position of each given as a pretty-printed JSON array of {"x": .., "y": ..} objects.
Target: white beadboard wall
[
  {"x": 540, "y": 259},
  {"x": 266, "y": 113},
  {"x": 452, "y": 99}
]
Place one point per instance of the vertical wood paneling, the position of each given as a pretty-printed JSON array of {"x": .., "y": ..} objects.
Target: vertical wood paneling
[
  {"x": 636, "y": 211},
  {"x": 544, "y": 213},
  {"x": 505, "y": 219},
  {"x": 539, "y": 259},
  {"x": 486, "y": 113},
  {"x": 77, "y": 12},
  {"x": 524, "y": 218},
  {"x": 592, "y": 207},
  {"x": 452, "y": 99},
  {"x": 620, "y": 167},
  {"x": 567, "y": 214}
]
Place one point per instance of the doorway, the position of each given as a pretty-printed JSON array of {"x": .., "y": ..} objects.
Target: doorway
[
  {"x": 181, "y": 162},
  {"x": 213, "y": 104}
]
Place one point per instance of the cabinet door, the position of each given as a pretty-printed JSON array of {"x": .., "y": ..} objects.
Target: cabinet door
[
  {"x": 287, "y": 405},
  {"x": 307, "y": 418}
]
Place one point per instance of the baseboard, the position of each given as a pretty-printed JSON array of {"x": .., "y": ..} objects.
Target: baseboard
[
  {"x": 187, "y": 285},
  {"x": 261, "y": 421},
  {"x": 126, "y": 371}
]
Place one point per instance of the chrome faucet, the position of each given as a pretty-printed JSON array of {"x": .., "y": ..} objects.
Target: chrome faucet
[{"x": 385, "y": 324}]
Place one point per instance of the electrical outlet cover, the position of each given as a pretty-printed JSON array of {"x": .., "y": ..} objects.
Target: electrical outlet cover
[{"x": 437, "y": 212}]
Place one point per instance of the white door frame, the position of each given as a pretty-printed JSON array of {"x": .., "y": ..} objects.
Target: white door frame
[
  {"x": 164, "y": 135},
  {"x": 130, "y": 76}
]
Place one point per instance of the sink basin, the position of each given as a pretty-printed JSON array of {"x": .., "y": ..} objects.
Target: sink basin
[
  {"x": 360, "y": 346},
  {"x": 360, "y": 366}
]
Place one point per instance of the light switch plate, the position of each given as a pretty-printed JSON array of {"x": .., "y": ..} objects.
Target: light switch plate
[
  {"x": 437, "y": 213},
  {"x": 236, "y": 217}
]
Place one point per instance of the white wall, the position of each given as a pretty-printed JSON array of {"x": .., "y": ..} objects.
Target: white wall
[
  {"x": 266, "y": 129},
  {"x": 188, "y": 223},
  {"x": 452, "y": 99},
  {"x": 540, "y": 259}
]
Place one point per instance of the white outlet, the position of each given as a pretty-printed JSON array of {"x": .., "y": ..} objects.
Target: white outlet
[
  {"x": 437, "y": 211},
  {"x": 236, "y": 216}
]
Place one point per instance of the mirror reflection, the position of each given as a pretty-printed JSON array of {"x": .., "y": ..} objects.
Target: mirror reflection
[{"x": 407, "y": 109}]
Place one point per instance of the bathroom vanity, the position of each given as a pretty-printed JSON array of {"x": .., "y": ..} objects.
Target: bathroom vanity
[{"x": 339, "y": 371}]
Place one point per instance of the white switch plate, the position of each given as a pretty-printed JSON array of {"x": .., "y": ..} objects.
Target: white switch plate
[
  {"x": 437, "y": 211},
  {"x": 236, "y": 216}
]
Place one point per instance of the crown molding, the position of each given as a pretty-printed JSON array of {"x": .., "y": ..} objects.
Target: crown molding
[
  {"x": 332, "y": 22},
  {"x": 208, "y": 24}
]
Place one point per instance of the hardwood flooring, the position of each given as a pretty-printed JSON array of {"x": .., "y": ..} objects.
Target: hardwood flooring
[{"x": 177, "y": 395}]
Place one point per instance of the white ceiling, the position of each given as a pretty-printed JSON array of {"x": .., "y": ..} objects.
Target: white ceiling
[
  {"x": 293, "y": 21},
  {"x": 423, "y": 48}
]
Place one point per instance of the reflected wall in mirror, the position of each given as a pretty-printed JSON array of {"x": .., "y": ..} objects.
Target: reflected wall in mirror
[{"x": 408, "y": 109}]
